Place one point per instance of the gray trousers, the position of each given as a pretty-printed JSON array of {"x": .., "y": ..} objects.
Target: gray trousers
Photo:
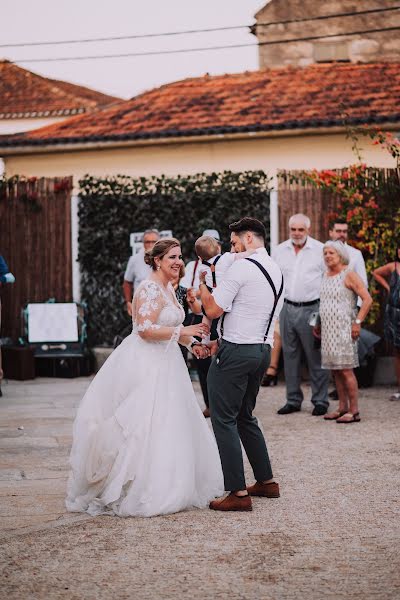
[
  {"x": 233, "y": 382},
  {"x": 298, "y": 340}
]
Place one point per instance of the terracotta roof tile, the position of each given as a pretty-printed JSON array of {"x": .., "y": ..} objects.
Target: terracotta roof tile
[
  {"x": 283, "y": 98},
  {"x": 24, "y": 94}
]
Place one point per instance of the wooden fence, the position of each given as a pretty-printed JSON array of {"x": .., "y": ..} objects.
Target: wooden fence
[
  {"x": 318, "y": 204},
  {"x": 302, "y": 197},
  {"x": 35, "y": 241}
]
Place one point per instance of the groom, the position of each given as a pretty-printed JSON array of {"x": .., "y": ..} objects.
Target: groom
[{"x": 248, "y": 300}]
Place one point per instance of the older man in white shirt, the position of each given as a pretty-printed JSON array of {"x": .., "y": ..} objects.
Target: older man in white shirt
[
  {"x": 137, "y": 270},
  {"x": 301, "y": 261},
  {"x": 249, "y": 298}
]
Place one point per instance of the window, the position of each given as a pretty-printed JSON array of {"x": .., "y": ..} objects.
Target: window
[{"x": 331, "y": 52}]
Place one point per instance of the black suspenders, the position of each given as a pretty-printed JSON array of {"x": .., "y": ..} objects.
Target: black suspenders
[
  {"x": 276, "y": 297},
  {"x": 212, "y": 267}
]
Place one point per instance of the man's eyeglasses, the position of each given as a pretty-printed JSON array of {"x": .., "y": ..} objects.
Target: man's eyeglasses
[{"x": 150, "y": 242}]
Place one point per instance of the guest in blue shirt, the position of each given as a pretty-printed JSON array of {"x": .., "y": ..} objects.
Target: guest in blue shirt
[{"x": 5, "y": 277}]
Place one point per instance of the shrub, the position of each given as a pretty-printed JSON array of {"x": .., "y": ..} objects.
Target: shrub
[{"x": 111, "y": 208}]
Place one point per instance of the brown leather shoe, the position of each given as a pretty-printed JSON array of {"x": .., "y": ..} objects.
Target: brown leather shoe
[
  {"x": 206, "y": 412},
  {"x": 232, "y": 502},
  {"x": 267, "y": 490}
]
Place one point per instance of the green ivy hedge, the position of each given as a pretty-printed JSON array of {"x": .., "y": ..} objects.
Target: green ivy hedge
[{"x": 111, "y": 208}]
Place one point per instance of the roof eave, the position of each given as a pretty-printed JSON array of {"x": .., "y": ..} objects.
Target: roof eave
[
  {"x": 45, "y": 114},
  {"x": 164, "y": 141}
]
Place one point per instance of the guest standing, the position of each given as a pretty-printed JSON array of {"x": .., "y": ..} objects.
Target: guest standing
[
  {"x": 137, "y": 270},
  {"x": 5, "y": 277},
  {"x": 339, "y": 231},
  {"x": 388, "y": 277},
  {"x": 187, "y": 299},
  {"x": 191, "y": 281},
  {"x": 301, "y": 261},
  {"x": 340, "y": 327}
]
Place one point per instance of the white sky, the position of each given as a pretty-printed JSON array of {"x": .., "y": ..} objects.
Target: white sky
[{"x": 50, "y": 20}]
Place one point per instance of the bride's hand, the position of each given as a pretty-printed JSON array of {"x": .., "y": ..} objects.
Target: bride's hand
[{"x": 201, "y": 330}]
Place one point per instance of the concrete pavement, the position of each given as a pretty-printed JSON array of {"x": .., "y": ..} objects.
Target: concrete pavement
[{"x": 334, "y": 533}]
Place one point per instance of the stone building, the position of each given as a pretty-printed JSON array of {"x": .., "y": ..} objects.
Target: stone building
[{"x": 354, "y": 47}]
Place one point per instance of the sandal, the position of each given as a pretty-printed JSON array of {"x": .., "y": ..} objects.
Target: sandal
[
  {"x": 349, "y": 418},
  {"x": 336, "y": 414}
]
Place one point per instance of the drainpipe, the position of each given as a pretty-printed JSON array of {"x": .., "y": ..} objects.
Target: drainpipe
[{"x": 273, "y": 213}]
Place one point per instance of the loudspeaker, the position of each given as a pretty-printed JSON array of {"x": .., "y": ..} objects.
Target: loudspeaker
[
  {"x": 18, "y": 362},
  {"x": 68, "y": 367}
]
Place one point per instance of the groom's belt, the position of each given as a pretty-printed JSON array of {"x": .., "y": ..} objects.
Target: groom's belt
[
  {"x": 221, "y": 341},
  {"x": 302, "y": 303}
]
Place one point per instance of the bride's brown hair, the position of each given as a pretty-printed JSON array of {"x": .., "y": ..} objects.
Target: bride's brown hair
[{"x": 159, "y": 250}]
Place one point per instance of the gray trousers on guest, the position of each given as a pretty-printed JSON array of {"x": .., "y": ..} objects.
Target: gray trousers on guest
[
  {"x": 298, "y": 341},
  {"x": 233, "y": 382}
]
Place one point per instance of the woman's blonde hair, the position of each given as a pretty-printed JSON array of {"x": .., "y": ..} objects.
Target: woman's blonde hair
[{"x": 159, "y": 250}]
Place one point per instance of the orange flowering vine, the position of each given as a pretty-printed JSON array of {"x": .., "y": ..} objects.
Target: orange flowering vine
[{"x": 370, "y": 204}]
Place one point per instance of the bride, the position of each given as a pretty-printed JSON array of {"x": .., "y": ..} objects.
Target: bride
[{"x": 141, "y": 446}]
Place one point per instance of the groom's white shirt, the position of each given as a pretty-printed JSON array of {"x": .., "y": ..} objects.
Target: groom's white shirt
[{"x": 247, "y": 299}]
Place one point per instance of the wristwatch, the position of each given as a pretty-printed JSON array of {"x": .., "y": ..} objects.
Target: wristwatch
[{"x": 358, "y": 321}]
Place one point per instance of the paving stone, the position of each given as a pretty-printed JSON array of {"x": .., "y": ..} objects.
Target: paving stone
[{"x": 334, "y": 533}]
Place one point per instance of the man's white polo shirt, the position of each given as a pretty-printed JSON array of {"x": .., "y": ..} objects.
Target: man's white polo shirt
[
  {"x": 137, "y": 270},
  {"x": 303, "y": 271},
  {"x": 247, "y": 299}
]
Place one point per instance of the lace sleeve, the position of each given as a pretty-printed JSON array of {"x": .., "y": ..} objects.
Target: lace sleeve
[{"x": 148, "y": 302}]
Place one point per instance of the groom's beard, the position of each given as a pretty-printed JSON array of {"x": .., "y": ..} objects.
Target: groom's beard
[{"x": 241, "y": 249}]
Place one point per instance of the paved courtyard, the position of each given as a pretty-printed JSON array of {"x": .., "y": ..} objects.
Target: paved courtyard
[{"x": 334, "y": 533}]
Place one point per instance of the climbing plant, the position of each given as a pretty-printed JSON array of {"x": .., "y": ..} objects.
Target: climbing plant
[{"x": 113, "y": 207}]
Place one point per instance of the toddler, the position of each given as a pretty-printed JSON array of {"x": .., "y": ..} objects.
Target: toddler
[{"x": 215, "y": 265}]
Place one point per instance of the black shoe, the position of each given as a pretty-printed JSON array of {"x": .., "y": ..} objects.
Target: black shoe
[
  {"x": 269, "y": 380},
  {"x": 288, "y": 408},
  {"x": 319, "y": 410},
  {"x": 333, "y": 395}
]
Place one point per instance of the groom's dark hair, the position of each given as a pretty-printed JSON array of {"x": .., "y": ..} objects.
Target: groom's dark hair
[{"x": 249, "y": 224}]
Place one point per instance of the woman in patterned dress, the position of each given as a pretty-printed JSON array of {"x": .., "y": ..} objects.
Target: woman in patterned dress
[
  {"x": 340, "y": 328},
  {"x": 389, "y": 277},
  {"x": 187, "y": 299}
]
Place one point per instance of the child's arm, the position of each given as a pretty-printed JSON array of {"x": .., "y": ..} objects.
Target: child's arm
[{"x": 239, "y": 255}]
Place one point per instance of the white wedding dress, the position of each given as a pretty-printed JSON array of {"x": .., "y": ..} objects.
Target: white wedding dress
[{"x": 141, "y": 446}]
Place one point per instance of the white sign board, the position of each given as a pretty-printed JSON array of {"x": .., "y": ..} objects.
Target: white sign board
[
  {"x": 53, "y": 322},
  {"x": 136, "y": 239}
]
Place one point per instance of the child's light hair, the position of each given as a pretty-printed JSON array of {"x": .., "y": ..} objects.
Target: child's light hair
[{"x": 206, "y": 247}]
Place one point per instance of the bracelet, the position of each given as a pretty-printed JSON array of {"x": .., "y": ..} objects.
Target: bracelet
[{"x": 193, "y": 342}]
